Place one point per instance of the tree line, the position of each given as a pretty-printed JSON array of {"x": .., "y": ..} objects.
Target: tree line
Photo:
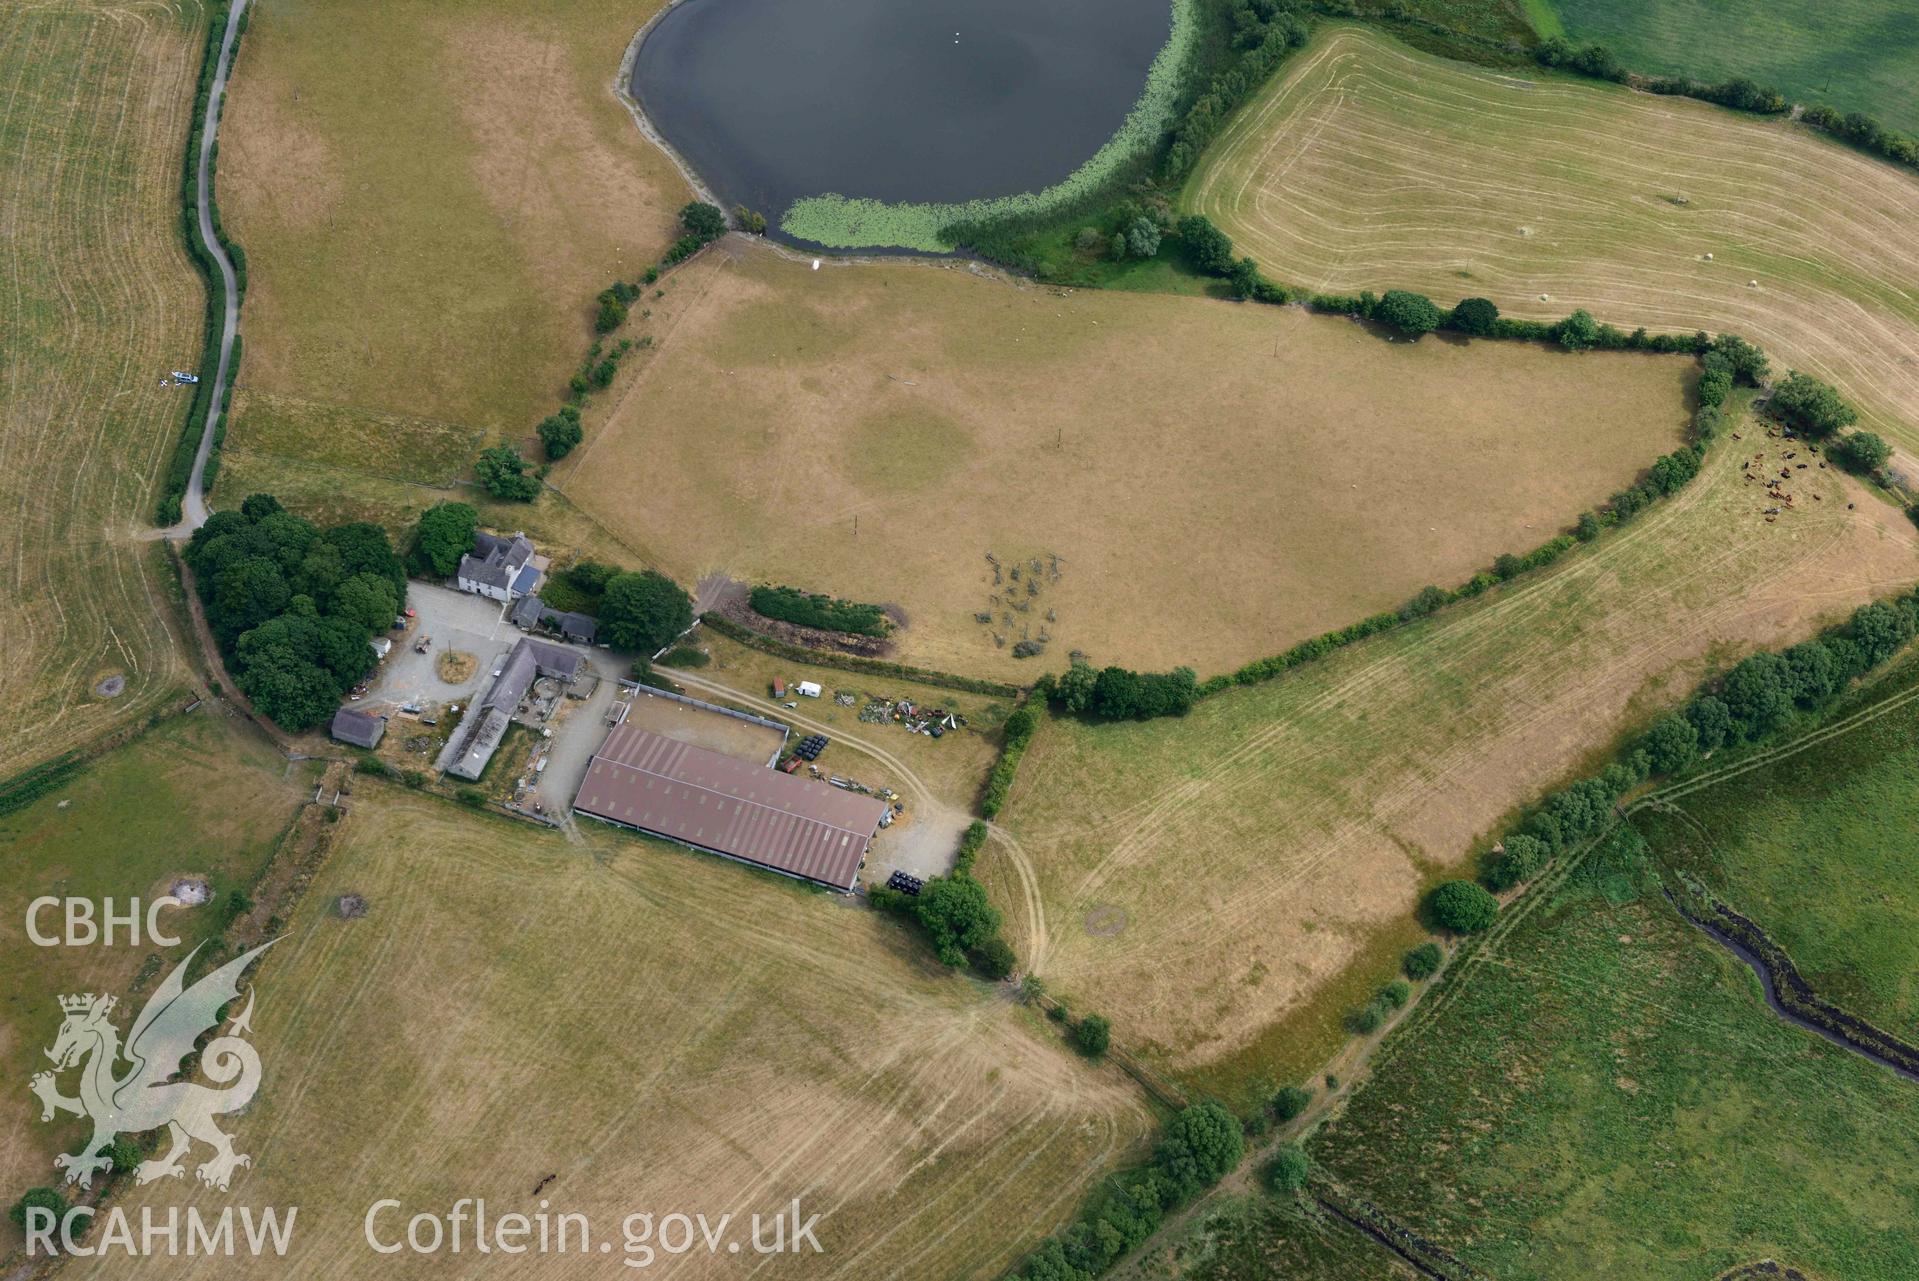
[
  {"x": 1118, "y": 693},
  {"x": 1199, "y": 1147},
  {"x": 1754, "y": 701},
  {"x": 1739, "y": 94},
  {"x": 507, "y": 474}
]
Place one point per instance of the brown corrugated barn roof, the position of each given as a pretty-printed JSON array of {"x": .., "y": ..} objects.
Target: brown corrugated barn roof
[{"x": 685, "y": 793}]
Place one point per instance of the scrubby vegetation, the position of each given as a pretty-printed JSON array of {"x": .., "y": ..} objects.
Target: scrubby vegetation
[
  {"x": 1092, "y": 1034},
  {"x": 1462, "y": 907},
  {"x": 560, "y": 431},
  {"x": 1421, "y": 962},
  {"x": 790, "y": 605},
  {"x": 504, "y": 473},
  {"x": 1018, "y": 733},
  {"x": 1612, "y": 1073},
  {"x": 293, "y": 605},
  {"x": 1199, "y": 1147}
]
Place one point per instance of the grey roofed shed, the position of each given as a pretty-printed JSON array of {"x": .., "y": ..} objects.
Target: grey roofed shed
[
  {"x": 575, "y": 627},
  {"x": 526, "y": 612},
  {"x": 357, "y": 728},
  {"x": 471, "y": 747}
]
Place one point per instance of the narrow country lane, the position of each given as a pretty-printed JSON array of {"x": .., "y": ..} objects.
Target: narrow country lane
[{"x": 193, "y": 505}]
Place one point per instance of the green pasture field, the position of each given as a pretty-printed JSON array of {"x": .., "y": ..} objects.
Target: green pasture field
[
  {"x": 1855, "y": 55},
  {"x": 198, "y": 796},
  {"x": 1820, "y": 849},
  {"x": 1256, "y": 1236},
  {"x": 1600, "y": 1091}
]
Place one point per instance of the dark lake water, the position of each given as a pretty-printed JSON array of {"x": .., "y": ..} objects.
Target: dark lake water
[{"x": 897, "y": 100}]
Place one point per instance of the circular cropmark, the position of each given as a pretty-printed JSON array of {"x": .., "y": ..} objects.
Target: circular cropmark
[{"x": 112, "y": 687}]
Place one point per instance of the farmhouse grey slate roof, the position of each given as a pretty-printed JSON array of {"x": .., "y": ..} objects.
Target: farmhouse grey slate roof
[
  {"x": 357, "y": 728},
  {"x": 499, "y": 562},
  {"x": 473, "y": 570}
]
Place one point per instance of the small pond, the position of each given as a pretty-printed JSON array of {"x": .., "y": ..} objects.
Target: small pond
[{"x": 914, "y": 101}]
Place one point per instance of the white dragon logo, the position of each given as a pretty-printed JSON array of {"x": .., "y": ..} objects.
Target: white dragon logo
[{"x": 145, "y": 1098}]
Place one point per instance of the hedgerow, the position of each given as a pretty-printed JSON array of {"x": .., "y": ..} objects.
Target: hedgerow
[
  {"x": 1750, "y": 703},
  {"x": 1200, "y": 1145},
  {"x": 790, "y": 605},
  {"x": 1019, "y": 732},
  {"x": 853, "y": 662},
  {"x": 25, "y": 788},
  {"x": 179, "y": 472}
]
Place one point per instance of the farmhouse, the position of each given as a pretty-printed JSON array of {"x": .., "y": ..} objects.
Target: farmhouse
[
  {"x": 501, "y": 568},
  {"x": 357, "y": 728},
  {"x": 730, "y": 807},
  {"x": 466, "y": 754}
]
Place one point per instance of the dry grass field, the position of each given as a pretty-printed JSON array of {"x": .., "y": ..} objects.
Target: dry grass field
[
  {"x": 1218, "y": 480},
  {"x": 1227, "y": 886},
  {"x": 661, "y": 1032},
  {"x": 1368, "y": 165},
  {"x": 100, "y": 302},
  {"x": 429, "y": 197},
  {"x": 199, "y": 796}
]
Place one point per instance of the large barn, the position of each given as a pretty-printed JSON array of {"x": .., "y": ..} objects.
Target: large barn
[{"x": 731, "y": 807}]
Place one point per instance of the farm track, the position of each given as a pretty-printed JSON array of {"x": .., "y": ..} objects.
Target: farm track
[
  {"x": 1492, "y": 700},
  {"x": 1367, "y": 165},
  {"x": 99, "y": 302}
]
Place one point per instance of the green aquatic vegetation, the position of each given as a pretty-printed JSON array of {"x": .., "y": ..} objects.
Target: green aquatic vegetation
[{"x": 843, "y": 222}]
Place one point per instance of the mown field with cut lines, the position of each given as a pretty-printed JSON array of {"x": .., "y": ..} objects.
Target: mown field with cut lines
[
  {"x": 100, "y": 302},
  {"x": 1228, "y": 885},
  {"x": 1365, "y": 164},
  {"x": 661, "y": 1031}
]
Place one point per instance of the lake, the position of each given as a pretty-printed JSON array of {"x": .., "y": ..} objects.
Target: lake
[{"x": 773, "y": 101}]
